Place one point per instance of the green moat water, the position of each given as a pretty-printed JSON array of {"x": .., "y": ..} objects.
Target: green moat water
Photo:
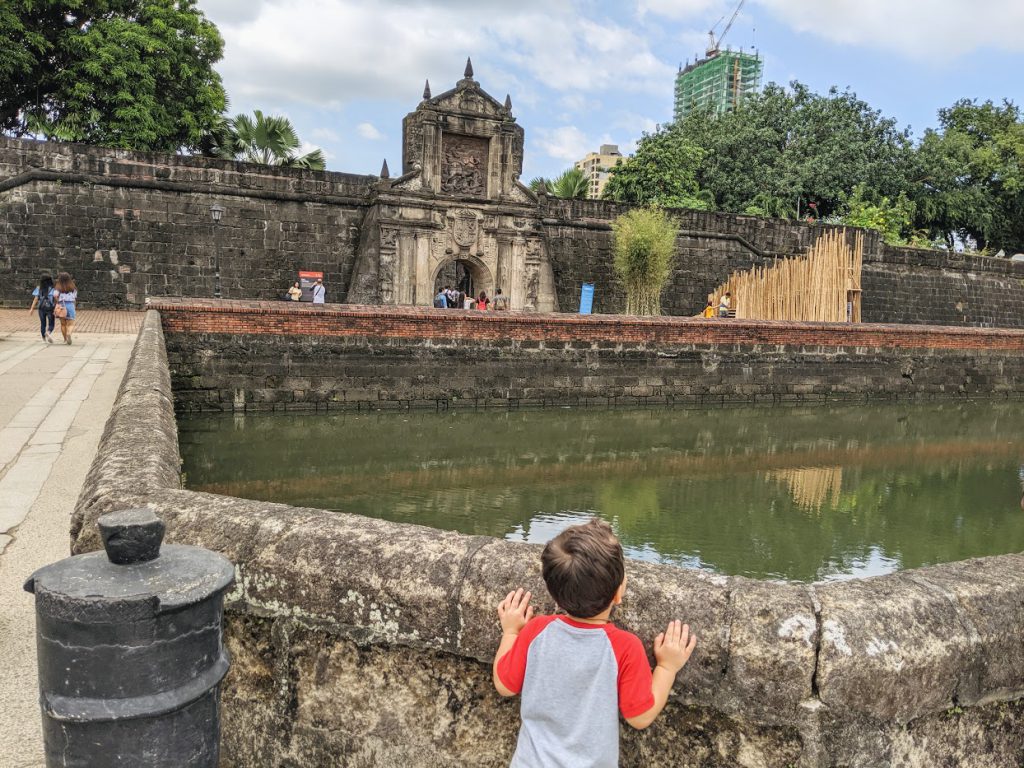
[{"x": 797, "y": 493}]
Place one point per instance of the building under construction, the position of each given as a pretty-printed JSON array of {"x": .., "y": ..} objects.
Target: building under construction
[{"x": 718, "y": 82}]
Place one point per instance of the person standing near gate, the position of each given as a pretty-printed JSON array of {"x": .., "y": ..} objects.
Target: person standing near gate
[
  {"x": 724, "y": 304},
  {"x": 500, "y": 302},
  {"x": 319, "y": 291}
]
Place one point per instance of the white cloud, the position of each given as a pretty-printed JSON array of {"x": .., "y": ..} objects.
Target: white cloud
[
  {"x": 922, "y": 29},
  {"x": 325, "y": 134},
  {"x": 368, "y": 131},
  {"x": 330, "y": 52},
  {"x": 681, "y": 9},
  {"x": 566, "y": 143}
]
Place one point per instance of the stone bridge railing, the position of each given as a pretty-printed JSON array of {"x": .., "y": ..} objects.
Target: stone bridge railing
[{"x": 362, "y": 642}]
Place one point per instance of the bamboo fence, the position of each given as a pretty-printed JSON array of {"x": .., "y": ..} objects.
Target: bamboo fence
[{"x": 817, "y": 286}]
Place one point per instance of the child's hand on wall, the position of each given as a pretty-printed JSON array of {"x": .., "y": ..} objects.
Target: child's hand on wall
[
  {"x": 514, "y": 611},
  {"x": 672, "y": 648}
]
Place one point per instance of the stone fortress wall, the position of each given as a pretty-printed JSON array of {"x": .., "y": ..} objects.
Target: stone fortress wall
[
  {"x": 230, "y": 355},
  {"x": 361, "y": 642},
  {"x": 900, "y": 285},
  {"x": 130, "y": 226}
]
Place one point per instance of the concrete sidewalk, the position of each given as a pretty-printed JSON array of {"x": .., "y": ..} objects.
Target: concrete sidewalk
[{"x": 54, "y": 402}]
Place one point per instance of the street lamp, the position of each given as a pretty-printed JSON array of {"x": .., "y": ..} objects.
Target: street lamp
[{"x": 215, "y": 213}]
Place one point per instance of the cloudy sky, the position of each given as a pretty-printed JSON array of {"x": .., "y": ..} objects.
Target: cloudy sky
[{"x": 586, "y": 72}]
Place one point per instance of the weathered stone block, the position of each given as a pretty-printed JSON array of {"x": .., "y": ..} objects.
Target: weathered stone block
[{"x": 889, "y": 628}]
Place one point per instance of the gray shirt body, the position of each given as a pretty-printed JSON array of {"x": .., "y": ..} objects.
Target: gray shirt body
[{"x": 569, "y": 701}]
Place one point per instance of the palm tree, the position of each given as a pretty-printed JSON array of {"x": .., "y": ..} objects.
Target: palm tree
[
  {"x": 268, "y": 140},
  {"x": 570, "y": 185}
]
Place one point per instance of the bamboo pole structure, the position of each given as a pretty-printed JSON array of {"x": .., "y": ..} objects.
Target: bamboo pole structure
[{"x": 824, "y": 285}]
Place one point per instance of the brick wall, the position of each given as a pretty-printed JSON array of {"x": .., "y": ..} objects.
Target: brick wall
[
  {"x": 130, "y": 225},
  {"x": 252, "y": 355}
]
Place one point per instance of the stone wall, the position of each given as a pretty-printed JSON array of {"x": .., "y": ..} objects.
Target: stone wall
[
  {"x": 900, "y": 285},
  {"x": 132, "y": 225},
  {"x": 360, "y": 642},
  {"x": 907, "y": 285},
  {"x": 248, "y": 355},
  {"x": 129, "y": 225}
]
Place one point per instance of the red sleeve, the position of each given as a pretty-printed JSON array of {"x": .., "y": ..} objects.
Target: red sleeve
[
  {"x": 512, "y": 666},
  {"x": 635, "y": 677}
]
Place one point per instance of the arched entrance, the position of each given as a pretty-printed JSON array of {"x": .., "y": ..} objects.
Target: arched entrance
[{"x": 463, "y": 275}]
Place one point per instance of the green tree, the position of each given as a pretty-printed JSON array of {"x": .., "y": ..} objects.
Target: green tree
[
  {"x": 264, "y": 139},
  {"x": 643, "y": 244},
  {"x": 786, "y": 148},
  {"x": 662, "y": 172},
  {"x": 893, "y": 219},
  {"x": 971, "y": 176},
  {"x": 136, "y": 74}
]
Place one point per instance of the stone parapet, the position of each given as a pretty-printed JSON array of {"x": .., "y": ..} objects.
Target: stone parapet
[{"x": 366, "y": 642}]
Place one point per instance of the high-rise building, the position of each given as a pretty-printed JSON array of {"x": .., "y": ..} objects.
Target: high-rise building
[
  {"x": 595, "y": 167},
  {"x": 719, "y": 82}
]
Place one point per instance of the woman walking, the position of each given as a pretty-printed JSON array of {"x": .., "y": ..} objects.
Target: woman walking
[
  {"x": 67, "y": 297},
  {"x": 44, "y": 298}
]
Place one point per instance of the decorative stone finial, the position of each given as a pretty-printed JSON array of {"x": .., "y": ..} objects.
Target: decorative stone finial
[
  {"x": 469, "y": 68},
  {"x": 426, "y": 91},
  {"x": 384, "y": 172},
  {"x": 508, "y": 102},
  {"x": 542, "y": 189}
]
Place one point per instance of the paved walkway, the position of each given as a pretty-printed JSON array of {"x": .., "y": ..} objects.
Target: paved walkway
[
  {"x": 55, "y": 401},
  {"x": 89, "y": 321}
]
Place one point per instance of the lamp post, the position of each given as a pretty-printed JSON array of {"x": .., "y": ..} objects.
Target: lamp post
[{"x": 215, "y": 213}]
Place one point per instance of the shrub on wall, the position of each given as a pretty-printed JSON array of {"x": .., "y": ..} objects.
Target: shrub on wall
[{"x": 644, "y": 246}]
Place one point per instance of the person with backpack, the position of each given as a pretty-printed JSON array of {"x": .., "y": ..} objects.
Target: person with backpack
[{"x": 44, "y": 299}]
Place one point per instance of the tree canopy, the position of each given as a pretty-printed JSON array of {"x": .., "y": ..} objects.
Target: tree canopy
[
  {"x": 971, "y": 175},
  {"x": 134, "y": 74},
  {"x": 790, "y": 152},
  {"x": 662, "y": 172}
]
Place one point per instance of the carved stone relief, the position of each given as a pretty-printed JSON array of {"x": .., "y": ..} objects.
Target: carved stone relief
[
  {"x": 388, "y": 237},
  {"x": 464, "y": 165},
  {"x": 473, "y": 102},
  {"x": 464, "y": 228},
  {"x": 386, "y": 277},
  {"x": 437, "y": 247}
]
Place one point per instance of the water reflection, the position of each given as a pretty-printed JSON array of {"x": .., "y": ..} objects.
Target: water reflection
[{"x": 804, "y": 494}]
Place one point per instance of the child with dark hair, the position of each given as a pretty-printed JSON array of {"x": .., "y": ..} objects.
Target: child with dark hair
[{"x": 576, "y": 672}]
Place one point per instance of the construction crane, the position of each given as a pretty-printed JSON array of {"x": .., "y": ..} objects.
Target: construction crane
[{"x": 715, "y": 45}]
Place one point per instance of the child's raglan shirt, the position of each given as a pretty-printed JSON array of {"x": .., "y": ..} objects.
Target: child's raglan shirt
[{"x": 574, "y": 678}]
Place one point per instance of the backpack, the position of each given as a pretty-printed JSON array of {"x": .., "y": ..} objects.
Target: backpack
[{"x": 46, "y": 302}]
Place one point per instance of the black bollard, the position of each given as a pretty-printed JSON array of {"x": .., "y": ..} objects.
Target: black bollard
[{"x": 130, "y": 650}]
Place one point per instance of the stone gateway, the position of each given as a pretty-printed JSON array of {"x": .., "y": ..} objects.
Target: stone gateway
[{"x": 458, "y": 203}]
